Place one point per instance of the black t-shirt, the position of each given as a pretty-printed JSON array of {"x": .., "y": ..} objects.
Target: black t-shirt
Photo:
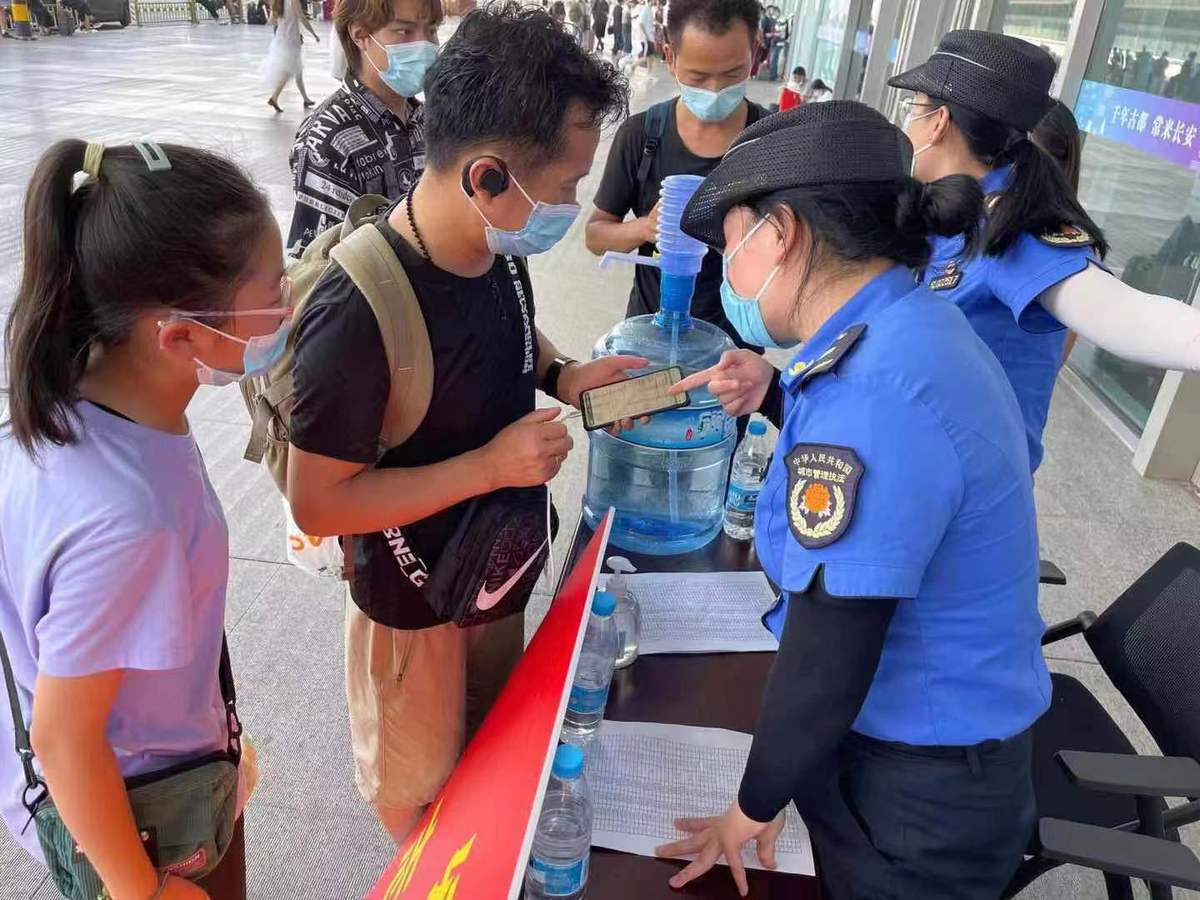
[
  {"x": 619, "y": 193},
  {"x": 485, "y": 356}
]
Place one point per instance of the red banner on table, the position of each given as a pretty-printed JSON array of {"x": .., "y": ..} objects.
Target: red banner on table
[{"x": 474, "y": 840}]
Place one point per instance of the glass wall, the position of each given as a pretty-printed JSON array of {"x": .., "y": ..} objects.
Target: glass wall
[
  {"x": 1140, "y": 106},
  {"x": 818, "y": 31},
  {"x": 1046, "y": 23}
]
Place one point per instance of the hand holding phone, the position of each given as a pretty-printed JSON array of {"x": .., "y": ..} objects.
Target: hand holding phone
[{"x": 633, "y": 398}]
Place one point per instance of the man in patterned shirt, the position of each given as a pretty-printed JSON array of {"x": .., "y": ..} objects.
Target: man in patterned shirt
[{"x": 368, "y": 136}]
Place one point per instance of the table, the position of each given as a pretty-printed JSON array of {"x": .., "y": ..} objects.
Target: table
[{"x": 717, "y": 686}]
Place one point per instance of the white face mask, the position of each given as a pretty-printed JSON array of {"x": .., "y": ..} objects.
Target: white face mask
[{"x": 919, "y": 150}]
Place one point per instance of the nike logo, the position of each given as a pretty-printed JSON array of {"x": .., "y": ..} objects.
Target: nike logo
[{"x": 487, "y": 599}]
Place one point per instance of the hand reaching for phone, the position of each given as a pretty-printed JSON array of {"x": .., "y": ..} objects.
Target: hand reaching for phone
[{"x": 739, "y": 381}]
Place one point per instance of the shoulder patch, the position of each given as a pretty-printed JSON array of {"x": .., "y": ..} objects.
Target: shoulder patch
[
  {"x": 822, "y": 487},
  {"x": 948, "y": 280},
  {"x": 1066, "y": 236},
  {"x": 836, "y": 352}
]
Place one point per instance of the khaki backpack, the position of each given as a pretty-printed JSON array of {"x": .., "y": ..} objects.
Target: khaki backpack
[{"x": 366, "y": 256}]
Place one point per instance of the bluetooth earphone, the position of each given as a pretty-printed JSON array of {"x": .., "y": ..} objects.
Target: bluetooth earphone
[{"x": 493, "y": 181}]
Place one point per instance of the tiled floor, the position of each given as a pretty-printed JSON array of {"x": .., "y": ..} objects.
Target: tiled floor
[{"x": 309, "y": 835}]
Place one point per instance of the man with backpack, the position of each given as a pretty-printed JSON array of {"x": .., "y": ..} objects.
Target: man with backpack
[
  {"x": 709, "y": 49},
  {"x": 444, "y": 518}
]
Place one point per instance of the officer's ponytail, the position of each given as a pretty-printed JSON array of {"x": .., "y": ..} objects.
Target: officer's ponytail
[
  {"x": 1039, "y": 199},
  {"x": 946, "y": 207}
]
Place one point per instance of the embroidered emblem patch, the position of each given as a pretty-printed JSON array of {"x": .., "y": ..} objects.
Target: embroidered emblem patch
[
  {"x": 1066, "y": 236},
  {"x": 949, "y": 278},
  {"x": 822, "y": 487}
]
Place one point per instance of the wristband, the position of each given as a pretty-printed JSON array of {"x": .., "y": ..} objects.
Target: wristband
[{"x": 553, "y": 373}]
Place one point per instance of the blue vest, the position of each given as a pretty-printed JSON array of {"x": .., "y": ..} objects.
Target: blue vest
[
  {"x": 999, "y": 297},
  {"x": 902, "y": 471}
]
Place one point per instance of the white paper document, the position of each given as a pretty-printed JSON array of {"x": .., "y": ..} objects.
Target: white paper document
[
  {"x": 645, "y": 776},
  {"x": 703, "y": 612}
]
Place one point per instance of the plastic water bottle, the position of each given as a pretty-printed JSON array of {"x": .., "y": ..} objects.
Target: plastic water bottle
[
  {"x": 745, "y": 481},
  {"x": 628, "y": 615},
  {"x": 597, "y": 657},
  {"x": 558, "y": 864}
]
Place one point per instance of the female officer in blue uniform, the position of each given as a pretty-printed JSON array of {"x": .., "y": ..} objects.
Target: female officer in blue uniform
[
  {"x": 975, "y": 101},
  {"x": 897, "y": 518}
]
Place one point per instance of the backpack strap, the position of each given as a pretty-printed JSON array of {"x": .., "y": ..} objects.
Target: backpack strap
[
  {"x": 370, "y": 261},
  {"x": 266, "y": 395},
  {"x": 654, "y": 126}
]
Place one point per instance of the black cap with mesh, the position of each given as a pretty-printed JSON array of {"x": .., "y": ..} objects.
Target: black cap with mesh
[
  {"x": 837, "y": 142},
  {"x": 1001, "y": 77}
]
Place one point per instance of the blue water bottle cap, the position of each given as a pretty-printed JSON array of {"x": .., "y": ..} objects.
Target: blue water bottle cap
[
  {"x": 758, "y": 428},
  {"x": 604, "y": 603},
  {"x": 568, "y": 762}
]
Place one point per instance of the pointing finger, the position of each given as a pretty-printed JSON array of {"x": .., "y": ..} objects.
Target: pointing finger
[{"x": 700, "y": 379}]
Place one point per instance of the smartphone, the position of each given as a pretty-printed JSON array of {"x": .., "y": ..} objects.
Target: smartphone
[{"x": 640, "y": 396}]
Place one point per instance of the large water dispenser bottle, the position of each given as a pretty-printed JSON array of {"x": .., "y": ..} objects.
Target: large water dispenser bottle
[{"x": 666, "y": 479}]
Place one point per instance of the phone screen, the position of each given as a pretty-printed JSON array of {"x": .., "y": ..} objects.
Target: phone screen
[{"x": 640, "y": 396}]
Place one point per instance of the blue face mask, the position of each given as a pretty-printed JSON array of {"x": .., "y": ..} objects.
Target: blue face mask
[
  {"x": 713, "y": 106},
  {"x": 407, "y": 65},
  {"x": 261, "y": 353},
  {"x": 745, "y": 313},
  {"x": 547, "y": 224}
]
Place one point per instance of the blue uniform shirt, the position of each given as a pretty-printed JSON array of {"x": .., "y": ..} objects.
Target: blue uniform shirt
[
  {"x": 901, "y": 470},
  {"x": 999, "y": 295}
]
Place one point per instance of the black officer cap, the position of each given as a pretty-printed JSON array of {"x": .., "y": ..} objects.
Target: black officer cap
[
  {"x": 1001, "y": 77},
  {"x": 837, "y": 142}
]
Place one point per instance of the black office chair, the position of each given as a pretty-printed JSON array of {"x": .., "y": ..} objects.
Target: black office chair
[{"x": 1100, "y": 804}]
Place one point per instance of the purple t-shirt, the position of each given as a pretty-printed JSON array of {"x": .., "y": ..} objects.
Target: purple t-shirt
[{"x": 114, "y": 555}]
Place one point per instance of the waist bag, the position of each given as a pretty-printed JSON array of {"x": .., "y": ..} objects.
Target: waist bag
[{"x": 185, "y": 814}]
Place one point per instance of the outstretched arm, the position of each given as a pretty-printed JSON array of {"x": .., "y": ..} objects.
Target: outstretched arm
[{"x": 1136, "y": 326}]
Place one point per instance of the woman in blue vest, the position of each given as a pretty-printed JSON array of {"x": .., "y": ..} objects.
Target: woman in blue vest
[
  {"x": 1037, "y": 271},
  {"x": 897, "y": 518}
]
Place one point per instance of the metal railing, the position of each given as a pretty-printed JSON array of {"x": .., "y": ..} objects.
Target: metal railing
[{"x": 165, "y": 12}]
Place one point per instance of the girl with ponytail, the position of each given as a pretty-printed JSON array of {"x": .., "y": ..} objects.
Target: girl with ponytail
[
  {"x": 1038, "y": 273},
  {"x": 148, "y": 270},
  {"x": 897, "y": 518}
]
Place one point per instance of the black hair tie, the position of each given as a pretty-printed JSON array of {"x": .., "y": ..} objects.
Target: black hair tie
[{"x": 1015, "y": 141}]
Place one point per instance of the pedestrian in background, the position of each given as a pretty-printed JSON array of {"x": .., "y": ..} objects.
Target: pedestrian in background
[
  {"x": 284, "y": 58},
  {"x": 627, "y": 29},
  {"x": 599, "y": 22},
  {"x": 576, "y": 17},
  {"x": 644, "y": 27},
  {"x": 115, "y": 549},
  {"x": 795, "y": 91},
  {"x": 617, "y": 28},
  {"x": 368, "y": 136}
]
